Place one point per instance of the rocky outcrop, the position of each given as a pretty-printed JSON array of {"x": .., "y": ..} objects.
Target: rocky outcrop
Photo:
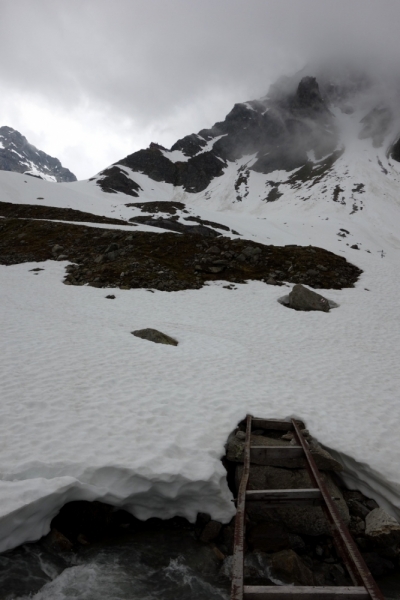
[
  {"x": 153, "y": 335},
  {"x": 381, "y": 528},
  {"x": 16, "y": 154}
]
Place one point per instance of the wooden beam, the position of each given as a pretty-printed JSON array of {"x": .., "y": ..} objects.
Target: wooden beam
[
  {"x": 290, "y": 592},
  {"x": 308, "y": 497}
]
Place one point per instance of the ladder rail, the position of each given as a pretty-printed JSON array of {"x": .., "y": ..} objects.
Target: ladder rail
[
  {"x": 238, "y": 544},
  {"x": 346, "y": 546},
  {"x": 364, "y": 587}
]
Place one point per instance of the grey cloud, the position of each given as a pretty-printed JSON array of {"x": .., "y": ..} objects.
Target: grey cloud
[{"x": 150, "y": 60}]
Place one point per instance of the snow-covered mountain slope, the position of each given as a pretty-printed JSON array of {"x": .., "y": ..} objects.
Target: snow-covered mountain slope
[
  {"x": 16, "y": 154},
  {"x": 89, "y": 411}
]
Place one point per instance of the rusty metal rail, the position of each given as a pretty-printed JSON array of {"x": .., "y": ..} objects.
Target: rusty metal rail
[{"x": 365, "y": 587}]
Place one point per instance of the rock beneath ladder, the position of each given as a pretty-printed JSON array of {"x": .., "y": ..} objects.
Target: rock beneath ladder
[{"x": 381, "y": 528}]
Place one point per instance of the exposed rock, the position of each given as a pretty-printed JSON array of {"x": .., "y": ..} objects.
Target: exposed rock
[
  {"x": 210, "y": 531},
  {"x": 301, "y": 298},
  {"x": 268, "y": 537},
  {"x": 18, "y": 155},
  {"x": 288, "y": 567},
  {"x": 155, "y": 336},
  {"x": 378, "y": 565},
  {"x": 381, "y": 528}
]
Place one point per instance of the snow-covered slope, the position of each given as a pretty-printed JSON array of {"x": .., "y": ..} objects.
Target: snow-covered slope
[{"x": 89, "y": 411}]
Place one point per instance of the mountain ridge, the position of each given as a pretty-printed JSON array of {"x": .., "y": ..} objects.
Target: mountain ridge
[{"x": 18, "y": 155}]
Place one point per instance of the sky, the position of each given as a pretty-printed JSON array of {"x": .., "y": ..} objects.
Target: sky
[{"x": 90, "y": 81}]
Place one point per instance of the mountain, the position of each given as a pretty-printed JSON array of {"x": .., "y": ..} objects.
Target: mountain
[
  {"x": 294, "y": 129},
  {"x": 17, "y": 154},
  {"x": 203, "y": 241}
]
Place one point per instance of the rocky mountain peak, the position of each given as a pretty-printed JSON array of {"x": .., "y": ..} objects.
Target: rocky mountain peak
[
  {"x": 18, "y": 155},
  {"x": 308, "y": 95}
]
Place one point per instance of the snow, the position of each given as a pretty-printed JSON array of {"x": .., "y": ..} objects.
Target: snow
[{"x": 89, "y": 411}]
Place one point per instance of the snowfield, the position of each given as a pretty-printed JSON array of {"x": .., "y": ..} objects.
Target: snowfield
[{"x": 89, "y": 411}]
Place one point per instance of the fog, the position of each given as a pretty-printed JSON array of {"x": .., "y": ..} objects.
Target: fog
[{"x": 90, "y": 82}]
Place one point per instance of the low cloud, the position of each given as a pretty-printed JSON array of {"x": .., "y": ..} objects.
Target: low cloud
[{"x": 119, "y": 74}]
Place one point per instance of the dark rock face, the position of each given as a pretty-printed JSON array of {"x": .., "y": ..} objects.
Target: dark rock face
[
  {"x": 279, "y": 130},
  {"x": 16, "y": 154},
  {"x": 394, "y": 151}
]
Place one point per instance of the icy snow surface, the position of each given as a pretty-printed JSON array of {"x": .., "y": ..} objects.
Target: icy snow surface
[{"x": 89, "y": 411}]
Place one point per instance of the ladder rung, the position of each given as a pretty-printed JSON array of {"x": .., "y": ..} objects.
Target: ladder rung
[
  {"x": 288, "y": 592},
  {"x": 280, "y": 497}
]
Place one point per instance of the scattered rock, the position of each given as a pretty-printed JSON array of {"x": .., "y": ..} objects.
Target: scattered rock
[
  {"x": 288, "y": 567},
  {"x": 301, "y": 298},
  {"x": 154, "y": 336},
  {"x": 381, "y": 528},
  {"x": 210, "y": 531}
]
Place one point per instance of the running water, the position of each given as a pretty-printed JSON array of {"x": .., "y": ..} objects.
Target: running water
[{"x": 162, "y": 565}]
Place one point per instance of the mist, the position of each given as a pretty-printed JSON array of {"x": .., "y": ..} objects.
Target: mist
[{"x": 92, "y": 82}]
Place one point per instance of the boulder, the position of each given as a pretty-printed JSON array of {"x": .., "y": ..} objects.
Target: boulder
[
  {"x": 301, "y": 298},
  {"x": 154, "y": 336},
  {"x": 288, "y": 567},
  {"x": 210, "y": 531},
  {"x": 381, "y": 528}
]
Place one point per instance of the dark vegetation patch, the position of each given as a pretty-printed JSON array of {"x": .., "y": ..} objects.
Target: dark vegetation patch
[
  {"x": 161, "y": 206},
  {"x": 34, "y": 211},
  {"x": 166, "y": 261}
]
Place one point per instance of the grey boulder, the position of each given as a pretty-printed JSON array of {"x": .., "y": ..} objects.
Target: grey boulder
[
  {"x": 153, "y": 335},
  {"x": 301, "y": 298},
  {"x": 381, "y": 528}
]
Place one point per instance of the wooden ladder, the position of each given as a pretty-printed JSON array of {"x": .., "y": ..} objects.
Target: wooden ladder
[{"x": 364, "y": 587}]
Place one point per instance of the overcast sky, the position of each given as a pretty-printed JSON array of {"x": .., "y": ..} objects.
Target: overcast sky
[{"x": 90, "y": 81}]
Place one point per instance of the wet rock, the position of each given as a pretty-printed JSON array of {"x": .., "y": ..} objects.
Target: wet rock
[
  {"x": 381, "y": 528},
  {"x": 268, "y": 537},
  {"x": 301, "y": 298},
  {"x": 59, "y": 541},
  {"x": 302, "y": 520},
  {"x": 288, "y": 567},
  {"x": 210, "y": 531},
  {"x": 378, "y": 565},
  {"x": 153, "y": 335}
]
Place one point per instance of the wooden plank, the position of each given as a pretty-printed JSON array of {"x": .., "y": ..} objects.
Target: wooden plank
[
  {"x": 290, "y": 592},
  {"x": 277, "y": 498},
  {"x": 276, "y": 455},
  {"x": 240, "y": 522}
]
